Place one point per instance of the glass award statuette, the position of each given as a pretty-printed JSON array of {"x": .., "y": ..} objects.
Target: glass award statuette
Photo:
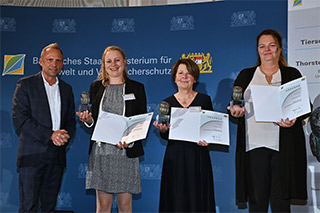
[
  {"x": 163, "y": 116},
  {"x": 237, "y": 97},
  {"x": 85, "y": 102}
]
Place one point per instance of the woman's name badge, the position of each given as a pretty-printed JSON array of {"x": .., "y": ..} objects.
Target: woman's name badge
[{"x": 128, "y": 97}]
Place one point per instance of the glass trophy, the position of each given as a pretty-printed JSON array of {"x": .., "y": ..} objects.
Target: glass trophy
[
  {"x": 163, "y": 116},
  {"x": 85, "y": 102},
  {"x": 237, "y": 97}
]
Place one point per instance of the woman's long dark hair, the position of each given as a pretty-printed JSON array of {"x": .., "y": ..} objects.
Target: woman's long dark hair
[{"x": 278, "y": 38}]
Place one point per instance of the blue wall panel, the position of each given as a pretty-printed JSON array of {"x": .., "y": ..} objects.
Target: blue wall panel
[{"x": 153, "y": 39}]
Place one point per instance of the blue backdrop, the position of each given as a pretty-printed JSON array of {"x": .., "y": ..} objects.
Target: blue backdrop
[{"x": 221, "y": 34}]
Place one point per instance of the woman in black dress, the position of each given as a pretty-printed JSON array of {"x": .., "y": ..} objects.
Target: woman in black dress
[{"x": 187, "y": 180}]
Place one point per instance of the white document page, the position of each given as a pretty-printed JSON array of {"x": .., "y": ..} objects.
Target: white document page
[
  {"x": 112, "y": 128},
  {"x": 184, "y": 124},
  {"x": 266, "y": 104},
  {"x": 214, "y": 127},
  {"x": 137, "y": 127},
  {"x": 193, "y": 126},
  {"x": 294, "y": 98},
  {"x": 271, "y": 104}
]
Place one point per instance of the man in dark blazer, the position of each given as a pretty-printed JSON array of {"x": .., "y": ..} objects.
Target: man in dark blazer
[{"x": 43, "y": 114}]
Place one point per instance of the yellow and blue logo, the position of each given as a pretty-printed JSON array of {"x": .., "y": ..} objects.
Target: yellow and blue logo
[
  {"x": 204, "y": 61},
  {"x": 13, "y": 64},
  {"x": 297, "y": 3}
]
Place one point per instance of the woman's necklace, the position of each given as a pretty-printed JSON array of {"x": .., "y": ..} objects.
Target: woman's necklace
[
  {"x": 186, "y": 100},
  {"x": 183, "y": 102}
]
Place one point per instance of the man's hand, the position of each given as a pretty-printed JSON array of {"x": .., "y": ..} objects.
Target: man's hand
[{"x": 60, "y": 137}]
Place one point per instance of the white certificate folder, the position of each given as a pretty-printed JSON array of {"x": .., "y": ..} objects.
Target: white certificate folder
[
  {"x": 112, "y": 128},
  {"x": 273, "y": 103},
  {"x": 193, "y": 126}
]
